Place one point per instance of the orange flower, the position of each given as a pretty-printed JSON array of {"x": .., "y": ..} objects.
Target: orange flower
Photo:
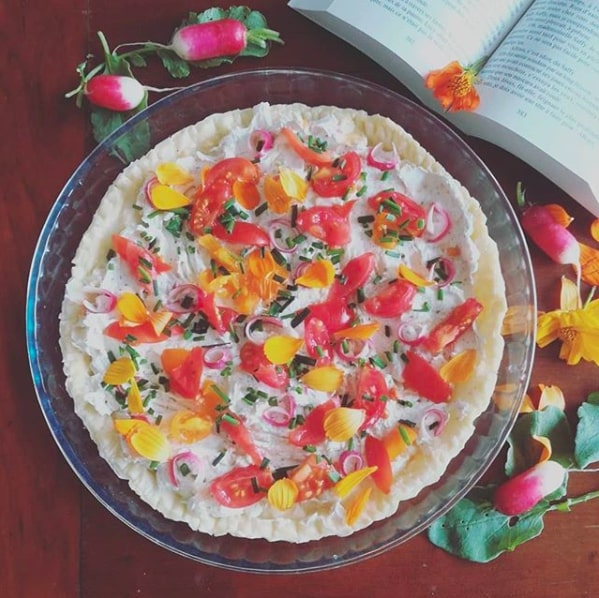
[{"x": 453, "y": 86}]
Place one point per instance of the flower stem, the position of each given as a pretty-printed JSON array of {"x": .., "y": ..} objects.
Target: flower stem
[{"x": 567, "y": 503}]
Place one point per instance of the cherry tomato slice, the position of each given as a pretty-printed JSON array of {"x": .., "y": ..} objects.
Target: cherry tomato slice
[
  {"x": 452, "y": 326},
  {"x": 392, "y": 301},
  {"x": 243, "y": 233},
  {"x": 421, "y": 377},
  {"x": 335, "y": 313},
  {"x": 311, "y": 432},
  {"x": 410, "y": 216},
  {"x": 317, "y": 339},
  {"x": 376, "y": 455},
  {"x": 327, "y": 223},
  {"x": 255, "y": 362},
  {"x": 372, "y": 394},
  {"x": 304, "y": 152},
  {"x": 312, "y": 477},
  {"x": 242, "y": 486},
  {"x": 335, "y": 180},
  {"x": 184, "y": 375},
  {"x": 353, "y": 275},
  {"x": 232, "y": 169},
  {"x": 240, "y": 435},
  {"x": 143, "y": 264},
  {"x": 208, "y": 206}
]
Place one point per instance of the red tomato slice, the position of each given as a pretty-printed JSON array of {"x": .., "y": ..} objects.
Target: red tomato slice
[
  {"x": 184, "y": 378},
  {"x": 335, "y": 180},
  {"x": 304, "y": 152},
  {"x": 311, "y": 432},
  {"x": 208, "y": 206},
  {"x": 334, "y": 313},
  {"x": 353, "y": 276},
  {"x": 240, "y": 435},
  {"x": 254, "y": 362},
  {"x": 421, "y": 377},
  {"x": 232, "y": 169},
  {"x": 411, "y": 216},
  {"x": 220, "y": 318},
  {"x": 372, "y": 394},
  {"x": 327, "y": 223},
  {"x": 243, "y": 233},
  {"x": 452, "y": 326},
  {"x": 143, "y": 264},
  {"x": 312, "y": 477},
  {"x": 318, "y": 341},
  {"x": 242, "y": 486},
  {"x": 135, "y": 335},
  {"x": 392, "y": 301},
  {"x": 376, "y": 454}
]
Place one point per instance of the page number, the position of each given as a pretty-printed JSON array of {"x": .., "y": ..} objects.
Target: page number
[{"x": 521, "y": 113}]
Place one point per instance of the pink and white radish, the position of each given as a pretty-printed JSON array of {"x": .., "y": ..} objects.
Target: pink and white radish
[
  {"x": 115, "y": 92},
  {"x": 216, "y": 39}
]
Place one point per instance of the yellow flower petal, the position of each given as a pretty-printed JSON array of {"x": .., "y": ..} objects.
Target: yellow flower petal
[
  {"x": 134, "y": 401},
  {"x": 317, "y": 275},
  {"x": 278, "y": 201},
  {"x": 527, "y": 405},
  {"x": 159, "y": 320},
  {"x": 341, "y": 423},
  {"x": 149, "y": 442},
  {"x": 187, "y": 426},
  {"x": 221, "y": 255},
  {"x": 132, "y": 309},
  {"x": 294, "y": 185},
  {"x": 344, "y": 486},
  {"x": 595, "y": 229},
  {"x": 120, "y": 371},
  {"x": 356, "y": 506},
  {"x": 551, "y": 396},
  {"x": 589, "y": 264},
  {"x": 411, "y": 276},
  {"x": 169, "y": 173},
  {"x": 326, "y": 378},
  {"x": 358, "y": 332},
  {"x": 282, "y": 495},
  {"x": 460, "y": 367},
  {"x": 281, "y": 349},
  {"x": 545, "y": 447},
  {"x": 398, "y": 439},
  {"x": 164, "y": 197},
  {"x": 569, "y": 298}
]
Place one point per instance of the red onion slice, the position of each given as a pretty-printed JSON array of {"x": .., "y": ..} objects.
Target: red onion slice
[
  {"x": 281, "y": 414},
  {"x": 184, "y": 298},
  {"x": 381, "y": 159},
  {"x": 438, "y": 223},
  {"x": 357, "y": 348},
  {"x": 99, "y": 301},
  {"x": 216, "y": 357},
  {"x": 253, "y": 335},
  {"x": 433, "y": 421},
  {"x": 188, "y": 458},
  {"x": 261, "y": 141},
  {"x": 350, "y": 461},
  {"x": 448, "y": 267},
  {"x": 148, "y": 189},
  {"x": 409, "y": 334},
  {"x": 281, "y": 224}
]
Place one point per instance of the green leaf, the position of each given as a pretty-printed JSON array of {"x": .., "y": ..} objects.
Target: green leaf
[
  {"x": 138, "y": 60},
  {"x": 523, "y": 453},
  {"x": 177, "y": 67},
  {"x": 587, "y": 437},
  {"x": 473, "y": 530},
  {"x": 254, "y": 20}
]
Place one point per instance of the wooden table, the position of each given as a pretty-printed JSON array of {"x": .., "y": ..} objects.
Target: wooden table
[{"x": 56, "y": 540}]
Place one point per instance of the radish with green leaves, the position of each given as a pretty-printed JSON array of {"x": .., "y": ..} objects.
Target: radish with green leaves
[
  {"x": 114, "y": 92},
  {"x": 215, "y": 39}
]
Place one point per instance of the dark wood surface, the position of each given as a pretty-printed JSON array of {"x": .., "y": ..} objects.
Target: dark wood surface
[{"x": 55, "y": 538}]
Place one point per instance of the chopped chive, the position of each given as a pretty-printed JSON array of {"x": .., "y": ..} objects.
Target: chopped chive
[
  {"x": 377, "y": 361},
  {"x": 404, "y": 435},
  {"x": 219, "y": 458},
  {"x": 385, "y": 175},
  {"x": 261, "y": 209},
  {"x": 220, "y": 393}
]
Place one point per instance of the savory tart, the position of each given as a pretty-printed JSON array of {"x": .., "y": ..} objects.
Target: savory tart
[{"x": 282, "y": 322}]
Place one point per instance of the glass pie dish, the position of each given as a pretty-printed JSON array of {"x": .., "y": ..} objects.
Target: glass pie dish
[{"x": 71, "y": 215}]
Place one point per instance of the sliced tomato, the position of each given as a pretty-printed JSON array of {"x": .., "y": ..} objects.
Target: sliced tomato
[
  {"x": 254, "y": 362},
  {"x": 392, "y": 300},
  {"x": 353, "y": 275},
  {"x": 327, "y": 223},
  {"x": 135, "y": 335},
  {"x": 184, "y": 374},
  {"x": 242, "y": 486},
  {"x": 240, "y": 435},
  {"x": 143, "y": 265},
  {"x": 376, "y": 455},
  {"x": 336, "y": 179},
  {"x": 312, "y": 477},
  {"x": 307, "y": 154},
  {"x": 311, "y": 432},
  {"x": 232, "y": 169},
  {"x": 208, "y": 206},
  {"x": 372, "y": 394},
  {"x": 421, "y": 377},
  {"x": 410, "y": 216},
  {"x": 452, "y": 326},
  {"x": 334, "y": 313},
  {"x": 243, "y": 233},
  {"x": 318, "y": 341},
  {"x": 220, "y": 318}
]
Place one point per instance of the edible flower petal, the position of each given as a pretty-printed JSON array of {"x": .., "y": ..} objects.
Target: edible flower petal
[
  {"x": 120, "y": 371},
  {"x": 277, "y": 199},
  {"x": 453, "y": 86},
  {"x": 164, "y": 197},
  {"x": 356, "y": 506},
  {"x": 221, "y": 255},
  {"x": 282, "y": 495},
  {"x": 341, "y": 423},
  {"x": 186, "y": 426},
  {"x": 132, "y": 309},
  {"x": 281, "y": 349},
  {"x": 294, "y": 185},
  {"x": 169, "y": 173},
  {"x": 595, "y": 229},
  {"x": 327, "y": 378},
  {"x": 357, "y": 332},
  {"x": 134, "y": 401},
  {"x": 460, "y": 367},
  {"x": 411, "y": 276},
  {"x": 160, "y": 320},
  {"x": 398, "y": 439},
  {"x": 344, "y": 486},
  {"x": 146, "y": 439},
  {"x": 246, "y": 194},
  {"x": 317, "y": 275},
  {"x": 589, "y": 264},
  {"x": 543, "y": 396}
]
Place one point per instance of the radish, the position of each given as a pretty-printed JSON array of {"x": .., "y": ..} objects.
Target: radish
[
  {"x": 114, "y": 92},
  {"x": 215, "y": 39}
]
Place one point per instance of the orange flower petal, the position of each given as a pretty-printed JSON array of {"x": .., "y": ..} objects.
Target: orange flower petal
[
  {"x": 357, "y": 332},
  {"x": 595, "y": 229},
  {"x": 459, "y": 368},
  {"x": 246, "y": 194},
  {"x": 326, "y": 378},
  {"x": 317, "y": 275},
  {"x": 132, "y": 310},
  {"x": 164, "y": 197},
  {"x": 120, "y": 371},
  {"x": 545, "y": 447},
  {"x": 221, "y": 255},
  {"x": 589, "y": 263},
  {"x": 344, "y": 486},
  {"x": 357, "y": 505},
  {"x": 169, "y": 173},
  {"x": 281, "y": 349},
  {"x": 411, "y": 276},
  {"x": 398, "y": 439},
  {"x": 278, "y": 201},
  {"x": 187, "y": 426}
]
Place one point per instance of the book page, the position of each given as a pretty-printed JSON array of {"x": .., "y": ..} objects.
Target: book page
[{"x": 543, "y": 84}]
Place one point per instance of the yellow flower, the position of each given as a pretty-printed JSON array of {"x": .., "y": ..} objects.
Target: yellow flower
[{"x": 576, "y": 327}]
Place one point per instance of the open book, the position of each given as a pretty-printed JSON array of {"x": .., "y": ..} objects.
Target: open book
[{"x": 539, "y": 86}]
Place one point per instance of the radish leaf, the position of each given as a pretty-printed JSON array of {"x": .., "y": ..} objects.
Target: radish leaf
[{"x": 587, "y": 440}]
